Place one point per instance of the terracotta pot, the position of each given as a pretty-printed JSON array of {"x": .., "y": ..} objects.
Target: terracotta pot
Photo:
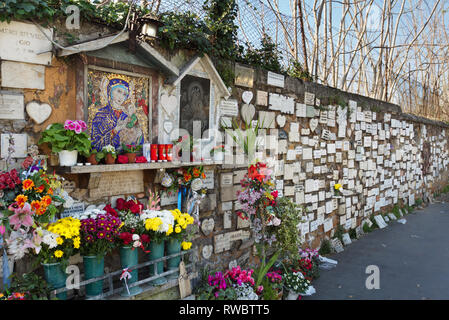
[
  {"x": 92, "y": 159},
  {"x": 109, "y": 159},
  {"x": 131, "y": 157}
]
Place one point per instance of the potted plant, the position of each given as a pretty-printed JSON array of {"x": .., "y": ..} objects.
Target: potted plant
[
  {"x": 67, "y": 140},
  {"x": 60, "y": 240},
  {"x": 217, "y": 153},
  {"x": 98, "y": 230},
  {"x": 109, "y": 153},
  {"x": 130, "y": 150},
  {"x": 296, "y": 284},
  {"x": 95, "y": 156},
  {"x": 130, "y": 238}
]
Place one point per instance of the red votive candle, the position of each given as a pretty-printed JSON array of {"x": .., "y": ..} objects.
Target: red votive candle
[
  {"x": 161, "y": 150},
  {"x": 154, "y": 152}
]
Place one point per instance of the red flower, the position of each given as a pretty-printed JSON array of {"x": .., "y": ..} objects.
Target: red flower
[
  {"x": 126, "y": 237},
  {"x": 141, "y": 159},
  {"x": 145, "y": 238},
  {"x": 110, "y": 210},
  {"x": 122, "y": 159},
  {"x": 121, "y": 204}
]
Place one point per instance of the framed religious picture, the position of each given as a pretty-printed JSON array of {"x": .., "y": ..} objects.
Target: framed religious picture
[
  {"x": 118, "y": 108},
  {"x": 194, "y": 104}
]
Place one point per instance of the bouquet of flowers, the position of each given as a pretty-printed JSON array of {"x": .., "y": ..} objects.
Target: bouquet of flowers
[
  {"x": 187, "y": 176},
  {"x": 217, "y": 288},
  {"x": 59, "y": 241},
  {"x": 296, "y": 282},
  {"x": 10, "y": 185},
  {"x": 158, "y": 224},
  {"x": 132, "y": 205},
  {"x": 337, "y": 189},
  {"x": 98, "y": 232},
  {"x": 132, "y": 232},
  {"x": 308, "y": 264},
  {"x": 242, "y": 282}
]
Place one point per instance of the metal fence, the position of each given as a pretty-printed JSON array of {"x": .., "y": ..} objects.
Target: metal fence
[{"x": 116, "y": 287}]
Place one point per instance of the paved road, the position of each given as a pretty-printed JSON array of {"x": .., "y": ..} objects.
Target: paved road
[{"x": 413, "y": 260}]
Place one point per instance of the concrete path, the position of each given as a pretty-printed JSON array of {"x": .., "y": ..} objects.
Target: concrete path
[{"x": 413, "y": 261}]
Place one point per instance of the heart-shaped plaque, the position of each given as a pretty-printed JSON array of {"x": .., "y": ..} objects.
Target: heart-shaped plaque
[
  {"x": 168, "y": 126},
  {"x": 207, "y": 226},
  {"x": 207, "y": 251},
  {"x": 313, "y": 124},
  {"x": 169, "y": 103},
  {"x": 38, "y": 112},
  {"x": 280, "y": 119},
  {"x": 248, "y": 111},
  {"x": 247, "y": 96}
]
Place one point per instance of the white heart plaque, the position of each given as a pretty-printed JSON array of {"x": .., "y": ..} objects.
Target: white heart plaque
[
  {"x": 168, "y": 126},
  {"x": 248, "y": 111},
  {"x": 313, "y": 124},
  {"x": 38, "y": 112},
  {"x": 169, "y": 103},
  {"x": 280, "y": 119},
  {"x": 247, "y": 96},
  {"x": 207, "y": 226},
  {"x": 207, "y": 251}
]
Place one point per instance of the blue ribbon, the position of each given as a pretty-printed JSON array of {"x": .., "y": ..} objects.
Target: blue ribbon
[
  {"x": 6, "y": 272},
  {"x": 181, "y": 194}
]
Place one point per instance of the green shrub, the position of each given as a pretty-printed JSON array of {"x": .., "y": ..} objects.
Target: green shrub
[{"x": 325, "y": 247}]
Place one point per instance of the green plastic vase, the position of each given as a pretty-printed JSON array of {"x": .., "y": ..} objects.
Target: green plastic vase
[
  {"x": 173, "y": 246},
  {"x": 56, "y": 278},
  {"x": 156, "y": 252},
  {"x": 93, "y": 268},
  {"x": 129, "y": 258}
]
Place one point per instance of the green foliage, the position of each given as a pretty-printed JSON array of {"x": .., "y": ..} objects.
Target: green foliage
[
  {"x": 35, "y": 286},
  {"x": 325, "y": 247},
  {"x": 131, "y": 148},
  {"x": 267, "y": 56},
  {"x": 445, "y": 189},
  {"x": 366, "y": 228},
  {"x": 296, "y": 70},
  {"x": 60, "y": 139},
  {"x": 339, "y": 233},
  {"x": 269, "y": 291},
  {"x": 418, "y": 202},
  {"x": 352, "y": 234},
  {"x": 338, "y": 100},
  {"x": 287, "y": 236}
]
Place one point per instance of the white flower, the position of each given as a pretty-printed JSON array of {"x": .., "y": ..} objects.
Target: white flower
[
  {"x": 136, "y": 237},
  {"x": 49, "y": 239},
  {"x": 137, "y": 244}
]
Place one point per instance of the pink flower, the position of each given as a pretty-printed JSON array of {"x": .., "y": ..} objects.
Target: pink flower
[
  {"x": 21, "y": 217},
  {"x": 67, "y": 124},
  {"x": 78, "y": 128},
  {"x": 2, "y": 230},
  {"x": 82, "y": 124}
]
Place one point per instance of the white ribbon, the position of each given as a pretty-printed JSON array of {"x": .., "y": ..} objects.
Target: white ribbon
[{"x": 126, "y": 275}]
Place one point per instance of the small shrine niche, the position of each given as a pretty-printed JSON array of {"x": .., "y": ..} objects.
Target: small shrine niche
[{"x": 189, "y": 102}]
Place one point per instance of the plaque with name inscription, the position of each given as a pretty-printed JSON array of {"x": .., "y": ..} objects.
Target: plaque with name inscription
[{"x": 11, "y": 105}]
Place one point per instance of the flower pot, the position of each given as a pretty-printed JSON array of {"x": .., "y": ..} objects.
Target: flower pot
[
  {"x": 92, "y": 159},
  {"x": 56, "y": 278},
  {"x": 218, "y": 156},
  {"x": 68, "y": 158},
  {"x": 109, "y": 159},
  {"x": 156, "y": 252},
  {"x": 93, "y": 268},
  {"x": 292, "y": 295},
  {"x": 131, "y": 157},
  {"x": 53, "y": 160},
  {"x": 173, "y": 246},
  {"x": 128, "y": 259}
]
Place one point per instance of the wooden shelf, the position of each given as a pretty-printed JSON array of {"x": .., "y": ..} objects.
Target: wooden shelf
[{"x": 128, "y": 167}]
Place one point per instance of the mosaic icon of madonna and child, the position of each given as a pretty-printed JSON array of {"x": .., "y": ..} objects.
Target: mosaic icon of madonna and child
[{"x": 117, "y": 119}]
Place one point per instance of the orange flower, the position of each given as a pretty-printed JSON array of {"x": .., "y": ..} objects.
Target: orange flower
[
  {"x": 203, "y": 176},
  {"x": 46, "y": 201},
  {"x": 41, "y": 210},
  {"x": 21, "y": 199},
  {"x": 187, "y": 177},
  {"x": 27, "y": 184},
  {"x": 50, "y": 191},
  {"x": 40, "y": 189},
  {"x": 196, "y": 172},
  {"x": 35, "y": 205}
]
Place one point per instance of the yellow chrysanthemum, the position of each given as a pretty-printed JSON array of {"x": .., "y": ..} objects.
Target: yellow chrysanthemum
[
  {"x": 59, "y": 253},
  {"x": 178, "y": 228},
  {"x": 153, "y": 224},
  {"x": 76, "y": 242},
  {"x": 170, "y": 230},
  {"x": 59, "y": 240},
  {"x": 186, "y": 245}
]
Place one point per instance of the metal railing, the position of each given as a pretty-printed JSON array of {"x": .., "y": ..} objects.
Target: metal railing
[{"x": 109, "y": 277}]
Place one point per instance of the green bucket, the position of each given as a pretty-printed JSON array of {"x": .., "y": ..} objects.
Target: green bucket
[
  {"x": 156, "y": 252},
  {"x": 93, "y": 268},
  {"x": 56, "y": 278},
  {"x": 129, "y": 258},
  {"x": 173, "y": 246}
]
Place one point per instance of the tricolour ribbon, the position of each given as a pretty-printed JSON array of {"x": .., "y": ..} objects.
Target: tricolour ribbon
[{"x": 124, "y": 276}]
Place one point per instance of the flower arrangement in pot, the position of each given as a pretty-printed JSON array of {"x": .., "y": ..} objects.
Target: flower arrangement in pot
[
  {"x": 131, "y": 150},
  {"x": 95, "y": 156},
  {"x": 59, "y": 241},
  {"x": 98, "y": 233},
  {"x": 217, "y": 152},
  {"x": 67, "y": 140},
  {"x": 110, "y": 154},
  {"x": 297, "y": 285},
  {"x": 130, "y": 238}
]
